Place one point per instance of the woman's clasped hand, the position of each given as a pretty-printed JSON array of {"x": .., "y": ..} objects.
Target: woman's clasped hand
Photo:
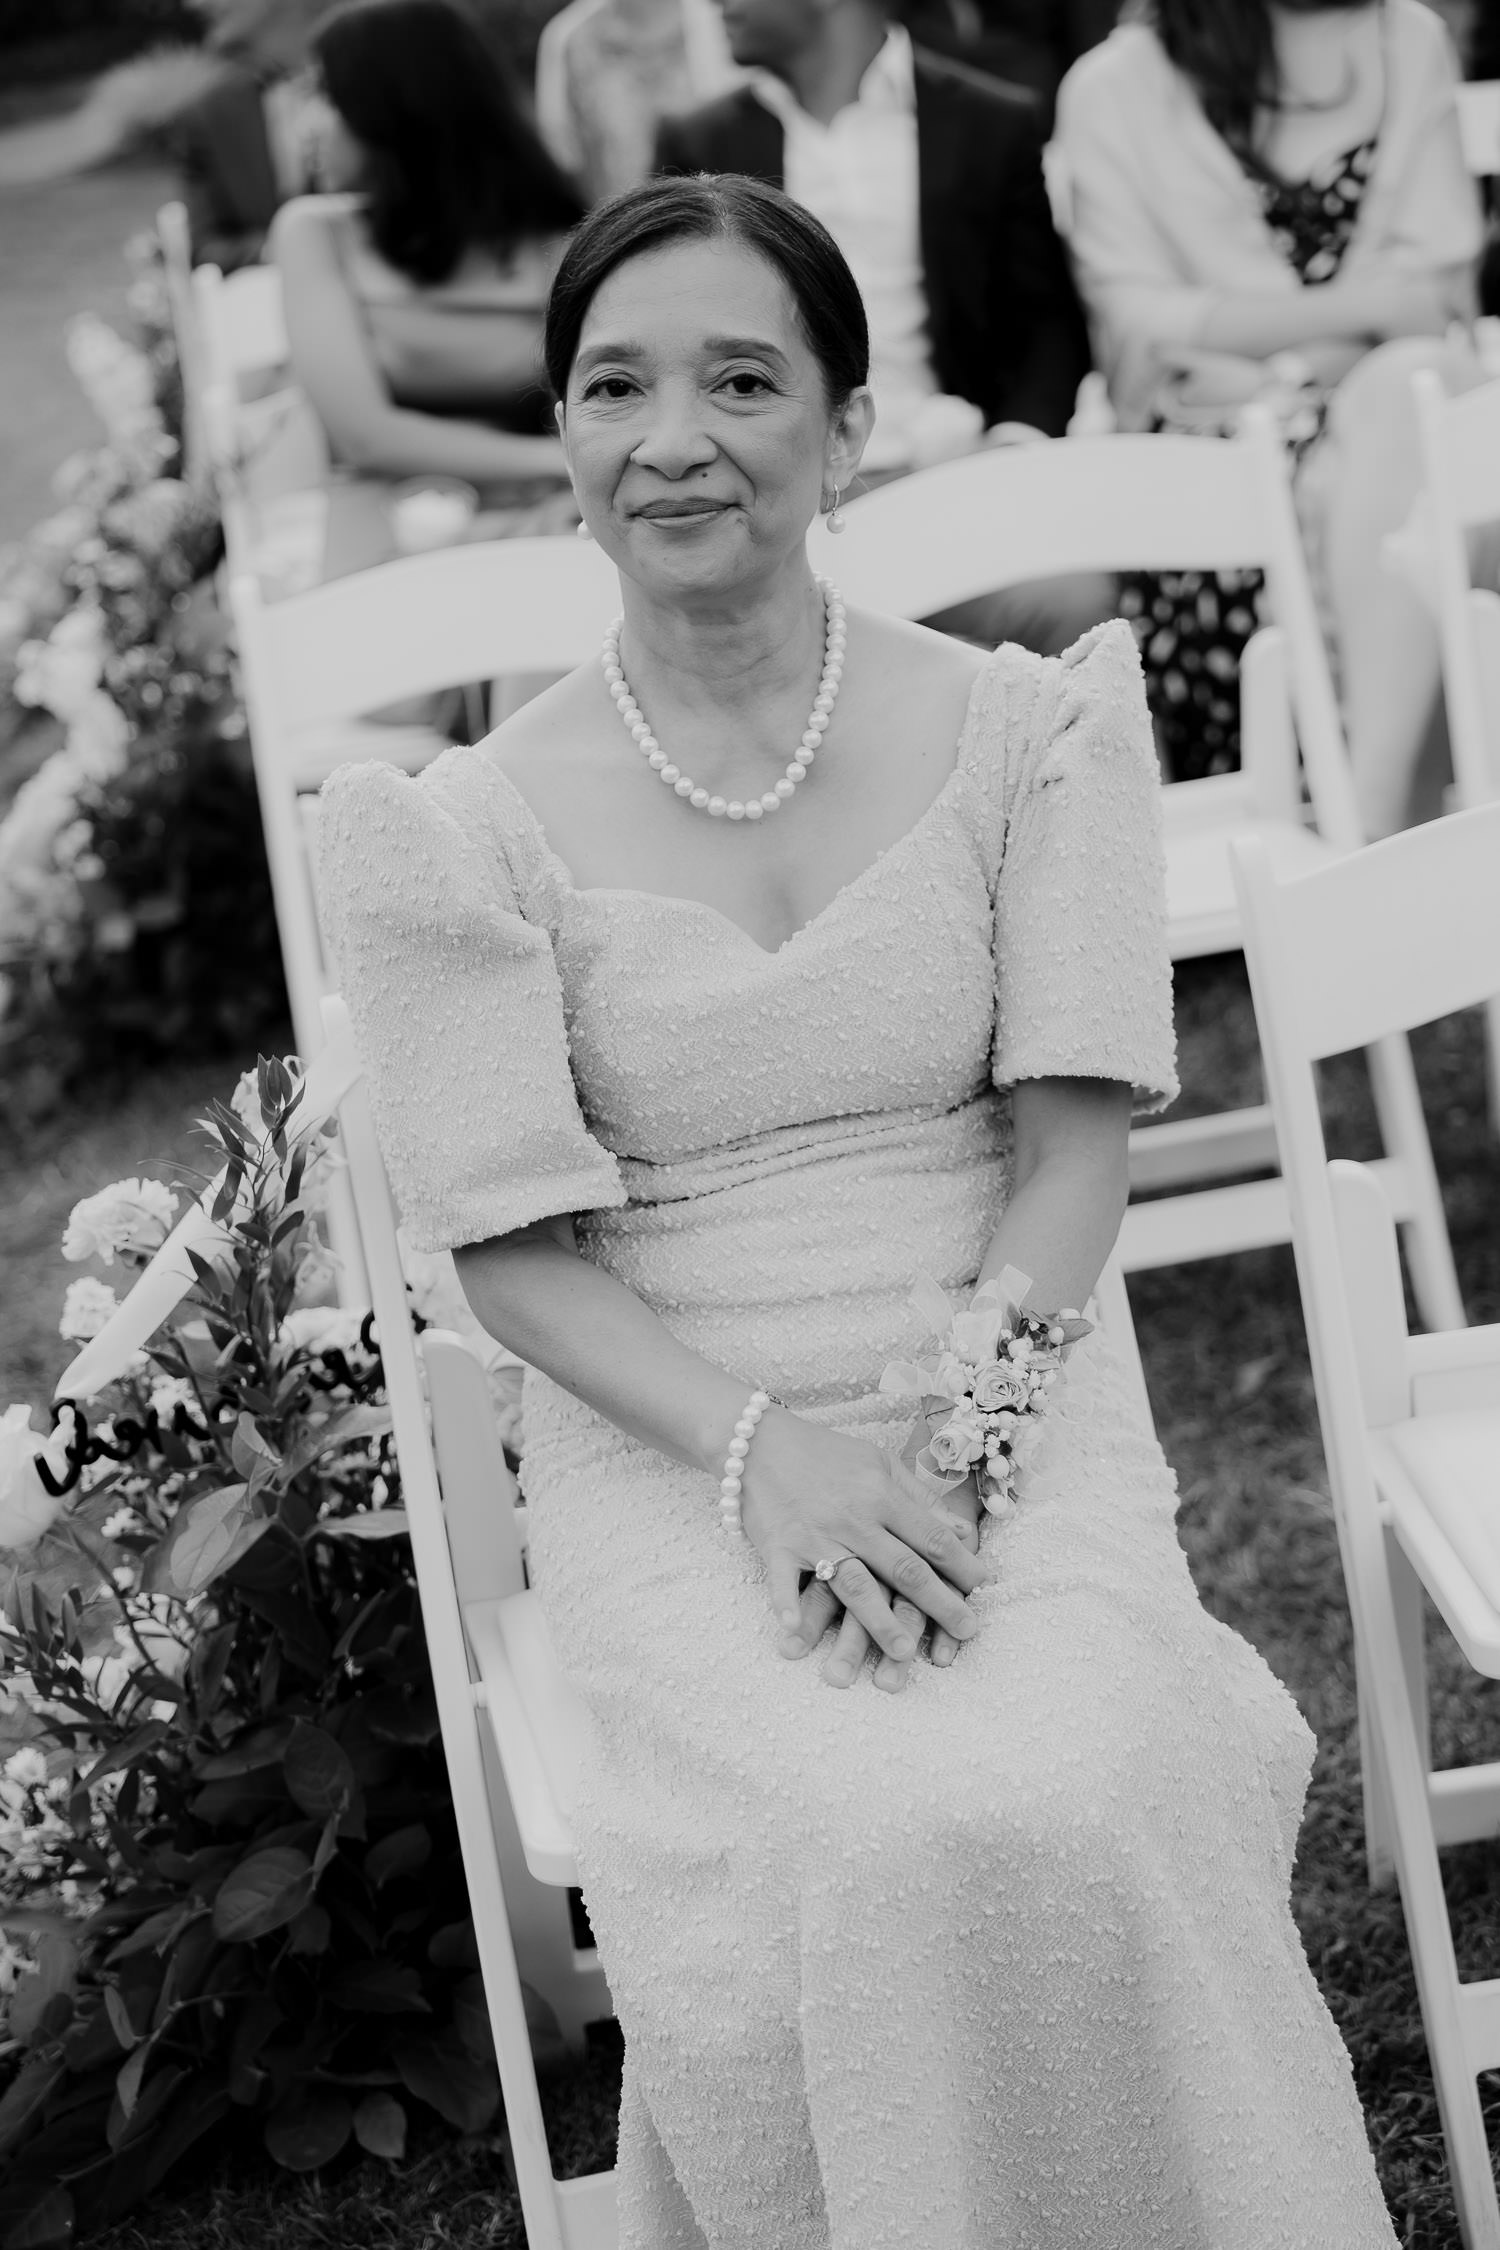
[{"x": 907, "y": 1560}]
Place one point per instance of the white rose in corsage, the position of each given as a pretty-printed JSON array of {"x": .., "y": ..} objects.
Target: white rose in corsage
[
  {"x": 129, "y": 1215},
  {"x": 981, "y": 1400},
  {"x": 27, "y": 1508}
]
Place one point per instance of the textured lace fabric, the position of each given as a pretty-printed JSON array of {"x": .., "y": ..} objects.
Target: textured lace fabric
[{"x": 1006, "y": 1962}]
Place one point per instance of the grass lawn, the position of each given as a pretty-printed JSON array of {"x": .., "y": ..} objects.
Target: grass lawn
[{"x": 1230, "y": 1384}]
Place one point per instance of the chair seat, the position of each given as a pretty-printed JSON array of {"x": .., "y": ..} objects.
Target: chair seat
[
  {"x": 1439, "y": 1478},
  {"x": 539, "y": 1725},
  {"x": 1202, "y": 916}
]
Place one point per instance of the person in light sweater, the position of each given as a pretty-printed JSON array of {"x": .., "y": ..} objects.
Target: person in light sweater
[{"x": 1269, "y": 199}]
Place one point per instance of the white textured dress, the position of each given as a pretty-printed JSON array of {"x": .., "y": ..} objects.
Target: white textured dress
[{"x": 1005, "y": 1962}]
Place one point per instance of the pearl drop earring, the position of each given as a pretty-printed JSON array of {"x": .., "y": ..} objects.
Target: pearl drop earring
[
  {"x": 836, "y": 513},
  {"x": 583, "y": 531}
]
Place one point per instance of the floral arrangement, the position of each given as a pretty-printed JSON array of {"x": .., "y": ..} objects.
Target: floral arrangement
[
  {"x": 134, "y": 903},
  {"x": 983, "y": 1397},
  {"x": 231, "y": 1896}
]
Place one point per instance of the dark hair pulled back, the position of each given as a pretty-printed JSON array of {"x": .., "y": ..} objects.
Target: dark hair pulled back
[
  {"x": 453, "y": 161},
  {"x": 1227, "y": 51},
  {"x": 723, "y": 207}
]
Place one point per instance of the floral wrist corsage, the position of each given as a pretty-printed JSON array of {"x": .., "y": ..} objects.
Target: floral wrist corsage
[{"x": 982, "y": 1399}]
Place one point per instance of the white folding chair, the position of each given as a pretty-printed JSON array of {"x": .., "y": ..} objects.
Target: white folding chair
[
  {"x": 313, "y": 662},
  {"x": 1393, "y": 936},
  {"x": 949, "y": 534},
  {"x": 1460, "y": 441},
  {"x": 265, "y": 445},
  {"x": 512, "y": 1727},
  {"x": 175, "y": 237},
  {"x": 1479, "y": 126}
]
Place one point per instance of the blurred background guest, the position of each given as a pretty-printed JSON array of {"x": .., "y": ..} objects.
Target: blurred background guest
[
  {"x": 239, "y": 146},
  {"x": 928, "y": 176},
  {"x": 1270, "y": 201},
  {"x": 609, "y": 71},
  {"x": 1029, "y": 42},
  {"x": 414, "y": 286}
]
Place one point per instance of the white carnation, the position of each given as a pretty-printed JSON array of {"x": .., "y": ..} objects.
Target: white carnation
[
  {"x": 322, "y": 1328},
  {"x": 129, "y": 1215},
  {"x": 86, "y": 1307}
]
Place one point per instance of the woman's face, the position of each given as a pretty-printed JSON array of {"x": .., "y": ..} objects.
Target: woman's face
[{"x": 696, "y": 423}]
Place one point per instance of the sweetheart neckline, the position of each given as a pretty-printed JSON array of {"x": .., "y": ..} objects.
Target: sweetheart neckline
[
  {"x": 705, "y": 906},
  {"x": 717, "y": 914}
]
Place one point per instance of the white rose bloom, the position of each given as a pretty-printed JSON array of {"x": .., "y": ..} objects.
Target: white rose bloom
[
  {"x": 169, "y": 1392},
  {"x": 128, "y": 1215},
  {"x": 26, "y": 1506},
  {"x": 63, "y": 672},
  {"x": 26, "y": 1766},
  {"x": 322, "y": 1328},
  {"x": 86, "y": 1307},
  {"x": 99, "y": 736}
]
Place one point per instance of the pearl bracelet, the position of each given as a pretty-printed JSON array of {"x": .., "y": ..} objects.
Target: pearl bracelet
[{"x": 734, "y": 1467}]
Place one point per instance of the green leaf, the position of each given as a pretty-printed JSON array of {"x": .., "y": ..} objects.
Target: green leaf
[
  {"x": 378, "y": 1988},
  {"x": 42, "y": 2004},
  {"x": 208, "y": 1537},
  {"x": 471, "y": 2017},
  {"x": 400, "y": 1853},
  {"x": 265, "y": 1891},
  {"x": 380, "y": 2127},
  {"x": 308, "y": 2128},
  {"x": 394, "y": 1717},
  {"x": 441, "y": 2073},
  {"x": 265, "y": 1747},
  {"x": 38, "y": 2217},
  {"x": 355, "y": 1424},
  {"x": 374, "y": 1523},
  {"x": 311, "y": 1932},
  {"x": 319, "y": 1778},
  {"x": 119, "y": 2017},
  {"x": 251, "y": 1453},
  {"x": 128, "y": 2080},
  {"x": 454, "y": 1946},
  {"x": 27, "y": 2095}
]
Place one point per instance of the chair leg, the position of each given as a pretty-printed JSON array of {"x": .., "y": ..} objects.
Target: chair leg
[
  {"x": 1492, "y": 1062},
  {"x": 1403, "y": 1129},
  {"x": 1395, "y": 1734},
  {"x": 1411, "y": 1635}
]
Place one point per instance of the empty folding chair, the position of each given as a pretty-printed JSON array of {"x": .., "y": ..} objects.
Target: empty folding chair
[
  {"x": 1387, "y": 938},
  {"x": 946, "y": 535}
]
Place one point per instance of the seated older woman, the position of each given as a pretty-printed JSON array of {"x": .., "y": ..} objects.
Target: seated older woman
[
  {"x": 414, "y": 291},
  {"x": 1269, "y": 199},
  {"x": 701, "y": 1055}
]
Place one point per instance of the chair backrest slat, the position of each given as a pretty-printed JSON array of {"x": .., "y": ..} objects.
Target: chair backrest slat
[
  {"x": 1395, "y": 935},
  {"x": 425, "y": 622},
  {"x": 1095, "y": 503},
  {"x": 1107, "y": 504}
]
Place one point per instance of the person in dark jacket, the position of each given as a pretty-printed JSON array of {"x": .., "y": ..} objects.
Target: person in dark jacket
[{"x": 928, "y": 175}]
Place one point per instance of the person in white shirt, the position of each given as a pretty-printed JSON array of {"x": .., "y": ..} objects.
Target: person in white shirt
[{"x": 928, "y": 177}]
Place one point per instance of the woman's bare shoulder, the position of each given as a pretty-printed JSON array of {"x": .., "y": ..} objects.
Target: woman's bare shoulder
[
  {"x": 916, "y": 652},
  {"x": 553, "y": 739}
]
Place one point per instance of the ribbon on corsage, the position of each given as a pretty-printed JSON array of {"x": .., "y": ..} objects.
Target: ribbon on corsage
[{"x": 981, "y": 1400}]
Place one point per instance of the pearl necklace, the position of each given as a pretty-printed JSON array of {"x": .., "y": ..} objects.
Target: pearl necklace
[{"x": 731, "y": 808}]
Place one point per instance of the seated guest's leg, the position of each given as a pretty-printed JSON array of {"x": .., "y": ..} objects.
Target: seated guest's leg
[
  {"x": 1387, "y": 637},
  {"x": 1044, "y": 614}
]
